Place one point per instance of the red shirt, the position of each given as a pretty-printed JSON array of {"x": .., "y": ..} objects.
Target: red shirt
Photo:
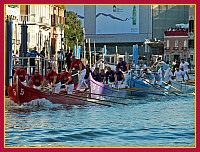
[
  {"x": 65, "y": 77},
  {"x": 76, "y": 64},
  {"x": 21, "y": 74},
  {"x": 36, "y": 80},
  {"x": 50, "y": 77}
]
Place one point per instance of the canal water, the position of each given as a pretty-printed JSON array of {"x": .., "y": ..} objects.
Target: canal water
[{"x": 157, "y": 121}]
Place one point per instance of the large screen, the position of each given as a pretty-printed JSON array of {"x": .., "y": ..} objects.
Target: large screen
[{"x": 116, "y": 19}]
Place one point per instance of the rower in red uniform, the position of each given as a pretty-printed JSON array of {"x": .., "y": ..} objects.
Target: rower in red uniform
[
  {"x": 53, "y": 79},
  {"x": 79, "y": 66},
  {"x": 36, "y": 80},
  {"x": 67, "y": 80},
  {"x": 22, "y": 75}
]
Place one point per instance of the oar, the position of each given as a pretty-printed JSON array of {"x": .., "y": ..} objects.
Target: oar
[
  {"x": 78, "y": 98},
  {"x": 99, "y": 99},
  {"x": 149, "y": 91},
  {"x": 153, "y": 86},
  {"x": 107, "y": 95},
  {"x": 174, "y": 87}
]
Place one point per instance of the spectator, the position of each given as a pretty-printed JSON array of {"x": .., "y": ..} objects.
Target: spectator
[{"x": 32, "y": 54}]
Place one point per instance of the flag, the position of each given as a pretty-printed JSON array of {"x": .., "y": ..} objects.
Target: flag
[
  {"x": 79, "y": 52},
  {"x": 135, "y": 54},
  {"x": 75, "y": 50},
  {"x": 105, "y": 52}
]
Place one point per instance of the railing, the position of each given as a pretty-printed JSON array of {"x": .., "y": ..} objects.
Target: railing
[{"x": 41, "y": 64}]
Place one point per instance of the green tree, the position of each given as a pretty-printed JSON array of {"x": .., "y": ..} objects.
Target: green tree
[{"x": 73, "y": 30}]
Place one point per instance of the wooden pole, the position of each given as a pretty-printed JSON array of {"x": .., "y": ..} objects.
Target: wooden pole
[
  {"x": 89, "y": 48},
  {"x": 84, "y": 53},
  {"x": 77, "y": 48},
  {"x": 103, "y": 58},
  {"x": 95, "y": 59},
  {"x": 116, "y": 50}
]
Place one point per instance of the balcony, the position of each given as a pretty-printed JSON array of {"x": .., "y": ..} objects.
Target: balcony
[
  {"x": 167, "y": 48},
  {"x": 175, "y": 48},
  {"x": 184, "y": 48}
]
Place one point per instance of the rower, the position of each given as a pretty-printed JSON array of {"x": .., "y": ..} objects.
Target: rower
[
  {"x": 158, "y": 79},
  {"x": 178, "y": 75},
  {"x": 36, "y": 80},
  {"x": 110, "y": 77},
  {"x": 22, "y": 75},
  {"x": 148, "y": 76},
  {"x": 119, "y": 78},
  {"x": 79, "y": 66},
  {"x": 122, "y": 65},
  {"x": 95, "y": 75},
  {"x": 186, "y": 67},
  {"x": 53, "y": 80},
  {"x": 67, "y": 80}
]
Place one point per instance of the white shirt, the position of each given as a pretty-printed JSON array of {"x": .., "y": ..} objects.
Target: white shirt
[
  {"x": 184, "y": 65},
  {"x": 178, "y": 75}
]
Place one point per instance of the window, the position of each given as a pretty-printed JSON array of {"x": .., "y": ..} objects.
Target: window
[
  {"x": 191, "y": 58},
  {"x": 185, "y": 43},
  {"x": 191, "y": 43},
  {"x": 191, "y": 25},
  {"x": 176, "y": 43},
  {"x": 167, "y": 43}
]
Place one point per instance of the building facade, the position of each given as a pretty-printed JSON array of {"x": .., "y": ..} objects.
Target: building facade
[
  {"x": 44, "y": 27},
  {"x": 176, "y": 45}
]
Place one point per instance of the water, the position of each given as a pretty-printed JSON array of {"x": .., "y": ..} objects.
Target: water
[{"x": 146, "y": 121}]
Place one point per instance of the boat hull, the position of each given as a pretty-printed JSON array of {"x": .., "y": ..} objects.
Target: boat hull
[
  {"x": 21, "y": 94},
  {"x": 98, "y": 88}
]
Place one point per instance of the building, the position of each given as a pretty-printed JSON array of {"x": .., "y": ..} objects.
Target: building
[
  {"x": 151, "y": 22},
  {"x": 176, "y": 45},
  {"x": 191, "y": 34},
  {"x": 166, "y": 16},
  {"x": 115, "y": 25},
  {"x": 45, "y": 26}
]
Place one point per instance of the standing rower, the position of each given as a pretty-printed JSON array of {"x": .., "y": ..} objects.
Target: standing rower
[
  {"x": 67, "y": 80},
  {"x": 119, "y": 78},
  {"x": 79, "y": 66}
]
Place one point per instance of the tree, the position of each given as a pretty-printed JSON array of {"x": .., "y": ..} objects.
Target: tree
[{"x": 74, "y": 30}]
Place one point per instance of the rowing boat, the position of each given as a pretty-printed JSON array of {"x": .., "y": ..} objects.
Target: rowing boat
[
  {"x": 20, "y": 94},
  {"x": 139, "y": 87},
  {"x": 101, "y": 88}
]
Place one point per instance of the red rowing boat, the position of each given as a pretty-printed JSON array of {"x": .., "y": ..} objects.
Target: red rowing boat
[{"x": 20, "y": 94}]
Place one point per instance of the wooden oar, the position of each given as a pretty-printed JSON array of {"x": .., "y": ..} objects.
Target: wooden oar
[
  {"x": 107, "y": 95},
  {"x": 148, "y": 91},
  {"x": 153, "y": 86},
  {"x": 174, "y": 87},
  {"x": 98, "y": 99},
  {"x": 79, "y": 98}
]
